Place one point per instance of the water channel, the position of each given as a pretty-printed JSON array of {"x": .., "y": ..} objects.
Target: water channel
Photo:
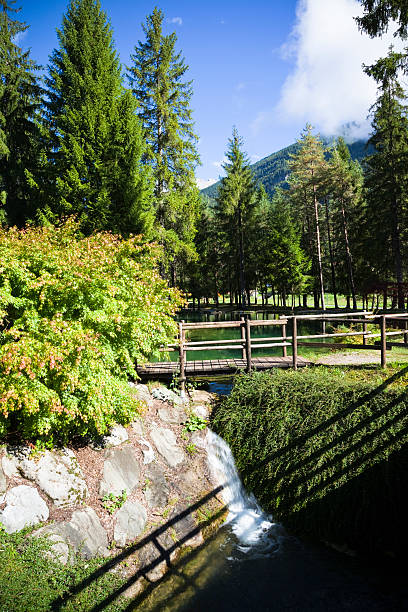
[{"x": 252, "y": 564}]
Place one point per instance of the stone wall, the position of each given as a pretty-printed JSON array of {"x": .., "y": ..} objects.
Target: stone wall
[{"x": 95, "y": 499}]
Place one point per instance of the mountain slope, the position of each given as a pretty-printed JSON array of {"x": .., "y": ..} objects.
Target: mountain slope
[{"x": 272, "y": 170}]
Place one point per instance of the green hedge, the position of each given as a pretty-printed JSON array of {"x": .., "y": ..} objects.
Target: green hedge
[{"x": 326, "y": 451}]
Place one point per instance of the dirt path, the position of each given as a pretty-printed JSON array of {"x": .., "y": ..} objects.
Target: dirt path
[{"x": 350, "y": 358}]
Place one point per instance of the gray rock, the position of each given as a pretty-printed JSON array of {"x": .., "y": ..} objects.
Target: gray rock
[
  {"x": 24, "y": 507},
  {"x": 186, "y": 528},
  {"x": 121, "y": 471},
  {"x": 9, "y": 465},
  {"x": 83, "y": 534},
  {"x": 199, "y": 439},
  {"x": 148, "y": 454},
  {"x": 57, "y": 474},
  {"x": 156, "y": 488},
  {"x": 130, "y": 522},
  {"x": 152, "y": 562},
  {"x": 166, "y": 395},
  {"x": 200, "y": 411},
  {"x": 117, "y": 435},
  {"x": 202, "y": 397},
  {"x": 59, "y": 549},
  {"x": 3, "y": 483},
  {"x": 165, "y": 442},
  {"x": 174, "y": 415},
  {"x": 137, "y": 427},
  {"x": 142, "y": 394}
]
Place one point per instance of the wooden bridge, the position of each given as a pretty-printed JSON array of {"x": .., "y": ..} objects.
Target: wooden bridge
[{"x": 165, "y": 370}]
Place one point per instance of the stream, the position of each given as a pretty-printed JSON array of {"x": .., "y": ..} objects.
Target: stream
[{"x": 252, "y": 564}]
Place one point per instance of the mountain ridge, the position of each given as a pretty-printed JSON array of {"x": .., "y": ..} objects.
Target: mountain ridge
[{"x": 272, "y": 169}]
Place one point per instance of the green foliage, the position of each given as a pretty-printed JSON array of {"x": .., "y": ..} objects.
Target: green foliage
[
  {"x": 324, "y": 450},
  {"x": 112, "y": 502},
  {"x": 95, "y": 142},
  {"x": 192, "y": 449},
  {"x": 20, "y": 134},
  {"x": 30, "y": 580},
  {"x": 163, "y": 106},
  {"x": 386, "y": 174},
  {"x": 378, "y": 13},
  {"x": 75, "y": 315},
  {"x": 195, "y": 423}
]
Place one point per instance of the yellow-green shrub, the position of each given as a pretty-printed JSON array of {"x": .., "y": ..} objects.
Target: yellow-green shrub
[{"x": 75, "y": 315}]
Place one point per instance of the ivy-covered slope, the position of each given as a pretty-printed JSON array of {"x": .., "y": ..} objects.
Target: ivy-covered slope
[{"x": 325, "y": 451}]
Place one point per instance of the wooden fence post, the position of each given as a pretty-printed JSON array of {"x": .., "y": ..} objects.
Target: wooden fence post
[
  {"x": 405, "y": 333},
  {"x": 294, "y": 343},
  {"x": 383, "y": 343},
  {"x": 365, "y": 331},
  {"x": 284, "y": 348},
  {"x": 248, "y": 344},
  {"x": 243, "y": 351},
  {"x": 182, "y": 359}
]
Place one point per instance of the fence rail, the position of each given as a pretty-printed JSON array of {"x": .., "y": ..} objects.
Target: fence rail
[{"x": 246, "y": 343}]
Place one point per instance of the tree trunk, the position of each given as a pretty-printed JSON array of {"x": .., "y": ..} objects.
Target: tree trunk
[
  {"x": 348, "y": 257},
  {"x": 319, "y": 250},
  {"x": 241, "y": 258},
  {"x": 333, "y": 273}
]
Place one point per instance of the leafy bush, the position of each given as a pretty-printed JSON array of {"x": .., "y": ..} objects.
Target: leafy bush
[
  {"x": 75, "y": 315},
  {"x": 326, "y": 451},
  {"x": 37, "y": 582}
]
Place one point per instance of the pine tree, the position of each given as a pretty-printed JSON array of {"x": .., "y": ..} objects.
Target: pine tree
[
  {"x": 288, "y": 262},
  {"x": 95, "y": 142},
  {"x": 345, "y": 185},
  {"x": 378, "y": 14},
  {"x": 236, "y": 207},
  {"x": 20, "y": 100},
  {"x": 387, "y": 169},
  {"x": 306, "y": 180},
  {"x": 163, "y": 99}
]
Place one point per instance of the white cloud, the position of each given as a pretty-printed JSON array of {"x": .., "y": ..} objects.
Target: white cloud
[
  {"x": 327, "y": 86},
  {"x": 254, "y": 158},
  {"x": 176, "y": 20},
  {"x": 262, "y": 120},
  {"x": 240, "y": 86},
  {"x": 203, "y": 183}
]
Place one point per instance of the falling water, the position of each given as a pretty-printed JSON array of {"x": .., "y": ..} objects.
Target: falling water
[{"x": 255, "y": 531}]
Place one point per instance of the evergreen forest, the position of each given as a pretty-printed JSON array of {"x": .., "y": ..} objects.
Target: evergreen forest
[{"x": 114, "y": 147}]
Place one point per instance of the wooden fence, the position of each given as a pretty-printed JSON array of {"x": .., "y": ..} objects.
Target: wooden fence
[{"x": 246, "y": 343}]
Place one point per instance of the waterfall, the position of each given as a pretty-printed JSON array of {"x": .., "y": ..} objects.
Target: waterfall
[{"x": 255, "y": 531}]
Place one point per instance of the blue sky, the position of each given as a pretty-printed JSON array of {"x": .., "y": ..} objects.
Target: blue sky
[{"x": 265, "y": 66}]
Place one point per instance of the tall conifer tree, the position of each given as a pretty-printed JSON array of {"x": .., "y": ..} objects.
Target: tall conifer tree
[
  {"x": 163, "y": 96},
  {"x": 20, "y": 100},
  {"x": 96, "y": 144},
  {"x": 308, "y": 167},
  {"x": 387, "y": 169},
  {"x": 236, "y": 204}
]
